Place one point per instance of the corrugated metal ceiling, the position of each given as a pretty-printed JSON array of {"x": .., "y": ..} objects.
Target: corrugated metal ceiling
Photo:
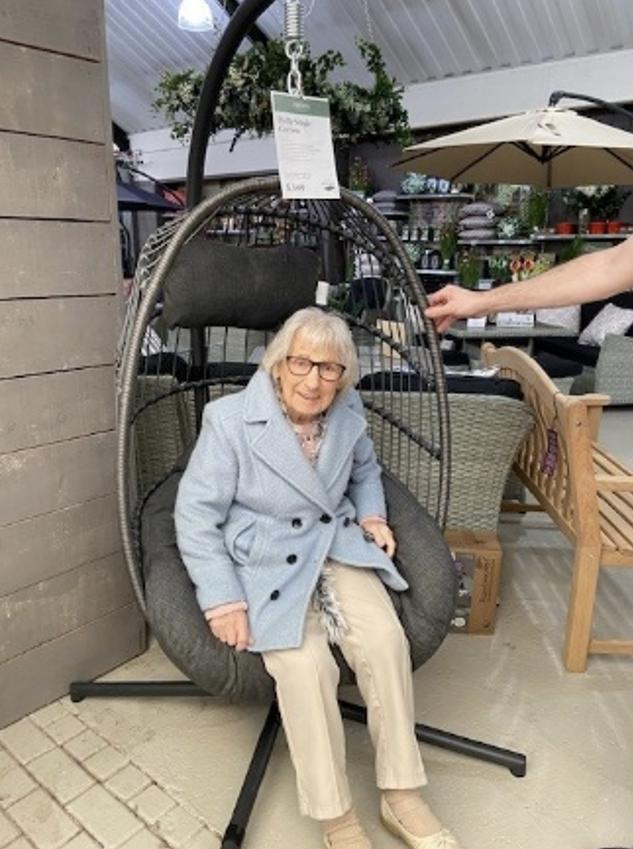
[{"x": 421, "y": 40}]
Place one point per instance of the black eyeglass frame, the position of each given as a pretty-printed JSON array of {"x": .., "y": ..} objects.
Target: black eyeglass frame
[{"x": 318, "y": 364}]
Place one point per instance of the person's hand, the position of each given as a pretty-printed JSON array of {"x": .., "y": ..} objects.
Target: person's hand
[
  {"x": 453, "y": 302},
  {"x": 382, "y": 534},
  {"x": 232, "y": 629}
]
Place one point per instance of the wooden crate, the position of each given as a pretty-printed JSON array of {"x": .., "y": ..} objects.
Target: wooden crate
[{"x": 479, "y": 556}]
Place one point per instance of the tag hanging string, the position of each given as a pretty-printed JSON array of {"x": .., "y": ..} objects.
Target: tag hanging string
[{"x": 294, "y": 39}]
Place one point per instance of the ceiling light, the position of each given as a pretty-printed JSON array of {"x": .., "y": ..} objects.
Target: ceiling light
[{"x": 195, "y": 15}]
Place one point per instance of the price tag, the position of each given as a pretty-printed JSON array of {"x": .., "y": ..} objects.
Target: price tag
[{"x": 303, "y": 139}]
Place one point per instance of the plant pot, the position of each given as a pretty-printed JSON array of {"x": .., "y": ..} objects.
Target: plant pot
[
  {"x": 597, "y": 227},
  {"x": 614, "y": 226},
  {"x": 564, "y": 228}
]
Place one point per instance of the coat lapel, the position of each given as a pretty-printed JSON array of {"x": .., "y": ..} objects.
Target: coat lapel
[
  {"x": 344, "y": 427},
  {"x": 275, "y": 443}
]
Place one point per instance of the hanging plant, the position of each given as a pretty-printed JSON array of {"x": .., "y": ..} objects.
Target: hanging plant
[{"x": 358, "y": 113}]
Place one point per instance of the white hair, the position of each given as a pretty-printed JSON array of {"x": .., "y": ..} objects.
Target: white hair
[{"x": 321, "y": 329}]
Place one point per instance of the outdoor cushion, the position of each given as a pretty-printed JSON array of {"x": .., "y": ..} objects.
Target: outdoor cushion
[
  {"x": 557, "y": 366},
  {"x": 215, "y": 284},
  {"x": 477, "y": 222},
  {"x": 425, "y": 609},
  {"x": 474, "y": 235},
  {"x": 590, "y": 310},
  {"x": 610, "y": 319},
  {"x": 169, "y": 363},
  {"x": 568, "y": 317},
  {"x": 398, "y": 381},
  {"x": 569, "y": 349}
]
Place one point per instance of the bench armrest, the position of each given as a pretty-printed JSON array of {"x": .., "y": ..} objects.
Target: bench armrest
[{"x": 615, "y": 483}]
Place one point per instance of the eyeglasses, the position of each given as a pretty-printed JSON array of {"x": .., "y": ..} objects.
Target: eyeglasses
[{"x": 302, "y": 366}]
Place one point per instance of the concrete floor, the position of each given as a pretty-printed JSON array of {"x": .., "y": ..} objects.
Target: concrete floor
[{"x": 166, "y": 773}]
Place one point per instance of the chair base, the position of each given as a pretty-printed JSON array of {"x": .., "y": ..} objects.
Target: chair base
[{"x": 236, "y": 829}]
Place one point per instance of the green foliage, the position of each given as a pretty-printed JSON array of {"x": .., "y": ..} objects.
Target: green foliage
[
  {"x": 358, "y": 174},
  {"x": 536, "y": 208},
  {"x": 602, "y": 202},
  {"x": 571, "y": 250},
  {"x": 358, "y": 114},
  {"x": 448, "y": 240},
  {"x": 469, "y": 268}
]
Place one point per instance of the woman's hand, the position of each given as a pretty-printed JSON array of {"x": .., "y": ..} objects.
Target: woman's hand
[
  {"x": 232, "y": 629},
  {"x": 382, "y": 534},
  {"x": 453, "y": 302}
]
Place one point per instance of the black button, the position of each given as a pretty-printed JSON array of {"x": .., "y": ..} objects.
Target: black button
[
  {"x": 292, "y": 558},
  {"x": 325, "y": 519},
  {"x": 296, "y": 523},
  {"x": 347, "y": 522},
  {"x": 274, "y": 595}
]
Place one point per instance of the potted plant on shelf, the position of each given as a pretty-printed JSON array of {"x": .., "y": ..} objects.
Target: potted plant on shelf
[
  {"x": 601, "y": 202},
  {"x": 535, "y": 210},
  {"x": 469, "y": 269},
  {"x": 448, "y": 243},
  {"x": 359, "y": 176}
]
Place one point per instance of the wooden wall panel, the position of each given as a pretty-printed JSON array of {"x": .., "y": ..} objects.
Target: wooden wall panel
[
  {"x": 40, "y": 480},
  {"x": 51, "y": 95},
  {"x": 57, "y": 258},
  {"x": 43, "y": 674},
  {"x": 54, "y": 178},
  {"x": 65, "y": 599},
  {"x": 63, "y": 26},
  {"x": 57, "y": 334},
  {"x": 42, "y": 547},
  {"x": 45, "y": 611},
  {"x": 52, "y": 407}
]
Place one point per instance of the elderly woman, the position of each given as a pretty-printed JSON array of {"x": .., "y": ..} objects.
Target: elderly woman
[{"x": 281, "y": 524}]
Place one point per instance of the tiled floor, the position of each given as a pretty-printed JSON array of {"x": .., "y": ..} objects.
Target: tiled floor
[{"x": 134, "y": 774}]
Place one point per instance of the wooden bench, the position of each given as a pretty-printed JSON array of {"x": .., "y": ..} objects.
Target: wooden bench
[{"x": 586, "y": 491}]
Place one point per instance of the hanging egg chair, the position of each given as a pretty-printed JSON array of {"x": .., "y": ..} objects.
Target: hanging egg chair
[{"x": 211, "y": 288}]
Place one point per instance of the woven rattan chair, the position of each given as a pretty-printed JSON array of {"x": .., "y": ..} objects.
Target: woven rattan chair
[{"x": 194, "y": 330}]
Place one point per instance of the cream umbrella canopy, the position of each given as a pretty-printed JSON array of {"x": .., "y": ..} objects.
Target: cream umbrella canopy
[{"x": 550, "y": 147}]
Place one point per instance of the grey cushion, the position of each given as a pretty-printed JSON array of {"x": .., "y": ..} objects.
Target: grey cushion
[
  {"x": 215, "y": 284},
  {"x": 425, "y": 609}
]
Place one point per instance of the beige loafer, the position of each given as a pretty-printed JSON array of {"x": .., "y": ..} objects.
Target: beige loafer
[{"x": 440, "y": 840}]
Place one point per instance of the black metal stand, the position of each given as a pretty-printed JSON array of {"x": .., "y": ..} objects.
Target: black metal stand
[{"x": 236, "y": 829}]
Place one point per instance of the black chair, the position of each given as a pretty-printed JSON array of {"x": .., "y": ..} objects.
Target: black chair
[{"x": 223, "y": 295}]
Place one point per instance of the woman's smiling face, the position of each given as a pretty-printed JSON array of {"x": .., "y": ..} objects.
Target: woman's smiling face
[{"x": 309, "y": 395}]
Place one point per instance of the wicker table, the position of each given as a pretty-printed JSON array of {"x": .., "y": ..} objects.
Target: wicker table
[{"x": 461, "y": 331}]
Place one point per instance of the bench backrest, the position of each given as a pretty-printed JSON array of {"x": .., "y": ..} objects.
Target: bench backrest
[{"x": 555, "y": 461}]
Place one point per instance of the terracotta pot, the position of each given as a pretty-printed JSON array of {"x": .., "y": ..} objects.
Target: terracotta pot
[
  {"x": 614, "y": 226},
  {"x": 597, "y": 227},
  {"x": 564, "y": 228}
]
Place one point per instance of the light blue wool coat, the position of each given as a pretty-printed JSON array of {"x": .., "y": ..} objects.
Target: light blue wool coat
[{"x": 255, "y": 520}]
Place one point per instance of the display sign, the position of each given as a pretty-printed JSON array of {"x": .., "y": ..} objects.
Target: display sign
[{"x": 303, "y": 139}]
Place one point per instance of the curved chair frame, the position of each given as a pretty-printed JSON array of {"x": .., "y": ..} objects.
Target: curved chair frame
[
  {"x": 244, "y": 17},
  {"x": 131, "y": 355}
]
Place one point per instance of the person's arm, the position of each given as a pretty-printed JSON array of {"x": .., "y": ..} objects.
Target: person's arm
[{"x": 587, "y": 278}]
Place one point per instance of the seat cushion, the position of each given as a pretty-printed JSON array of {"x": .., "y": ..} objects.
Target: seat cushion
[
  {"x": 569, "y": 349},
  {"x": 397, "y": 381},
  {"x": 557, "y": 366},
  {"x": 215, "y": 284},
  {"x": 590, "y": 310},
  {"x": 425, "y": 609}
]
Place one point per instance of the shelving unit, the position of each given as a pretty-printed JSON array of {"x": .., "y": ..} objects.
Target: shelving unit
[{"x": 436, "y": 196}]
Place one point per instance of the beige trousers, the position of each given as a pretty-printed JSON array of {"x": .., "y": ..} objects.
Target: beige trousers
[{"x": 307, "y": 678}]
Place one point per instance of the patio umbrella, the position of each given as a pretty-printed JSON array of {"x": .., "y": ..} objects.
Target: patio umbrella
[
  {"x": 550, "y": 147},
  {"x": 131, "y": 198}
]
